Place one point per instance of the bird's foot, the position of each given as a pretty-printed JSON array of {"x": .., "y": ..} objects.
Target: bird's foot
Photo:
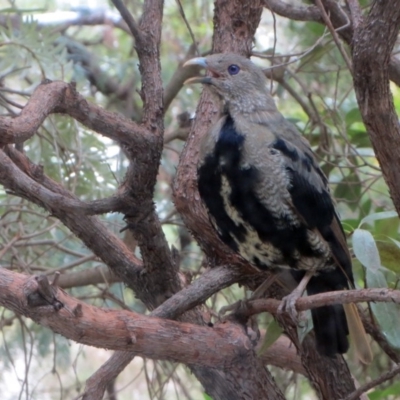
[
  {"x": 288, "y": 306},
  {"x": 236, "y": 309},
  {"x": 239, "y": 313}
]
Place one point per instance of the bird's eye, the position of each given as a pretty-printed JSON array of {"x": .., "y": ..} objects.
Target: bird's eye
[{"x": 233, "y": 69}]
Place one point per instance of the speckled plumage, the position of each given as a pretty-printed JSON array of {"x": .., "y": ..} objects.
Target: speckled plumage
[{"x": 266, "y": 195}]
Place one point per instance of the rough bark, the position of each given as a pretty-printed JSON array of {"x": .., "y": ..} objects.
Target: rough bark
[{"x": 372, "y": 47}]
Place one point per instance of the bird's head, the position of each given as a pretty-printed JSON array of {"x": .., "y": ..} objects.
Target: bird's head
[{"x": 239, "y": 82}]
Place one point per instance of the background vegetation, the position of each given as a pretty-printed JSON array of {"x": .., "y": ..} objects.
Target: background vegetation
[{"x": 91, "y": 45}]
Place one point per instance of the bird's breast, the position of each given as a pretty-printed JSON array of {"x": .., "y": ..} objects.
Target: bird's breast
[{"x": 249, "y": 210}]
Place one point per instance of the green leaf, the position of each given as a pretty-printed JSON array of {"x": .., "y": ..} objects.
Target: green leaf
[
  {"x": 390, "y": 255},
  {"x": 377, "y": 216},
  {"x": 387, "y": 227},
  {"x": 315, "y": 28},
  {"x": 366, "y": 250},
  {"x": 314, "y": 56},
  {"x": 359, "y": 136},
  {"x": 365, "y": 207},
  {"x": 274, "y": 330},
  {"x": 382, "y": 394},
  {"x": 353, "y": 116},
  {"x": 207, "y": 397},
  {"x": 386, "y": 314}
]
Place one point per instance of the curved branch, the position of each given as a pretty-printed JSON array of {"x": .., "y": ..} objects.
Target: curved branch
[
  {"x": 375, "y": 382},
  {"x": 128, "y": 18},
  {"x": 199, "y": 291},
  {"x": 55, "y": 199},
  {"x": 60, "y": 97},
  {"x": 123, "y": 330},
  {"x": 296, "y": 13}
]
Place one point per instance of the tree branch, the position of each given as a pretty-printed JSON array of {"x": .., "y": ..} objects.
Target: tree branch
[
  {"x": 326, "y": 299},
  {"x": 375, "y": 382},
  {"x": 372, "y": 47},
  {"x": 339, "y": 19},
  {"x": 130, "y": 21},
  {"x": 59, "y": 97},
  {"x": 296, "y": 13},
  {"x": 123, "y": 330}
]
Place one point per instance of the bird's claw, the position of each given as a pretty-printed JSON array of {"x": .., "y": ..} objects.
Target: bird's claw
[
  {"x": 288, "y": 306},
  {"x": 234, "y": 308}
]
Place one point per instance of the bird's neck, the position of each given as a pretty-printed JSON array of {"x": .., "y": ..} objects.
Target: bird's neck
[
  {"x": 245, "y": 104},
  {"x": 256, "y": 115}
]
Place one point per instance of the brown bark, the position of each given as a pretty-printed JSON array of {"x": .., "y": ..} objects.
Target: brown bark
[
  {"x": 372, "y": 47},
  {"x": 340, "y": 18},
  {"x": 216, "y": 347}
]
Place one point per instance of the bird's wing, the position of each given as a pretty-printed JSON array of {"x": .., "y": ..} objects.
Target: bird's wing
[{"x": 308, "y": 187}]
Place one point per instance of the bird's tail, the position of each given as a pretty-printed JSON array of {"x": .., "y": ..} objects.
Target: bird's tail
[
  {"x": 333, "y": 323},
  {"x": 330, "y": 325}
]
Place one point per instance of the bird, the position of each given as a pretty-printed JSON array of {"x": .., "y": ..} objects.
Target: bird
[{"x": 269, "y": 200}]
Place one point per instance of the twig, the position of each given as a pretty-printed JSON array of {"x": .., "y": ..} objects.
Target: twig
[
  {"x": 384, "y": 377},
  {"x": 355, "y": 12},
  {"x": 9, "y": 245},
  {"x": 334, "y": 35},
  {"x": 182, "y": 12},
  {"x": 128, "y": 18},
  {"x": 326, "y": 299}
]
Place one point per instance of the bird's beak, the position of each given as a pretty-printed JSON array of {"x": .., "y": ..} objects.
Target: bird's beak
[{"x": 200, "y": 62}]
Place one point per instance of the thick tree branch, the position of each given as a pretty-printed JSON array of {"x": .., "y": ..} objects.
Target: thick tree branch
[
  {"x": 372, "y": 47},
  {"x": 92, "y": 276},
  {"x": 143, "y": 335},
  {"x": 296, "y": 13},
  {"x": 52, "y": 97},
  {"x": 148, "y": 336},
  {"x": 99, "y": 17},
  {"x": 180, "y": 75},
  {"x": 199, "y": 291},
  {"x": 123, "y": 330}
]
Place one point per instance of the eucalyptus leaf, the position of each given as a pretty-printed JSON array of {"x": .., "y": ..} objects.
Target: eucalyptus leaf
[
  {"x": 366, "y": 250},
  {"x": 389, "y": 253},
  {"x": 353, "y": 116},
  {"x": 274, "y": 330},
  {"x": 377, "y": 216},
  {"x": 386, "y": 314}
]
